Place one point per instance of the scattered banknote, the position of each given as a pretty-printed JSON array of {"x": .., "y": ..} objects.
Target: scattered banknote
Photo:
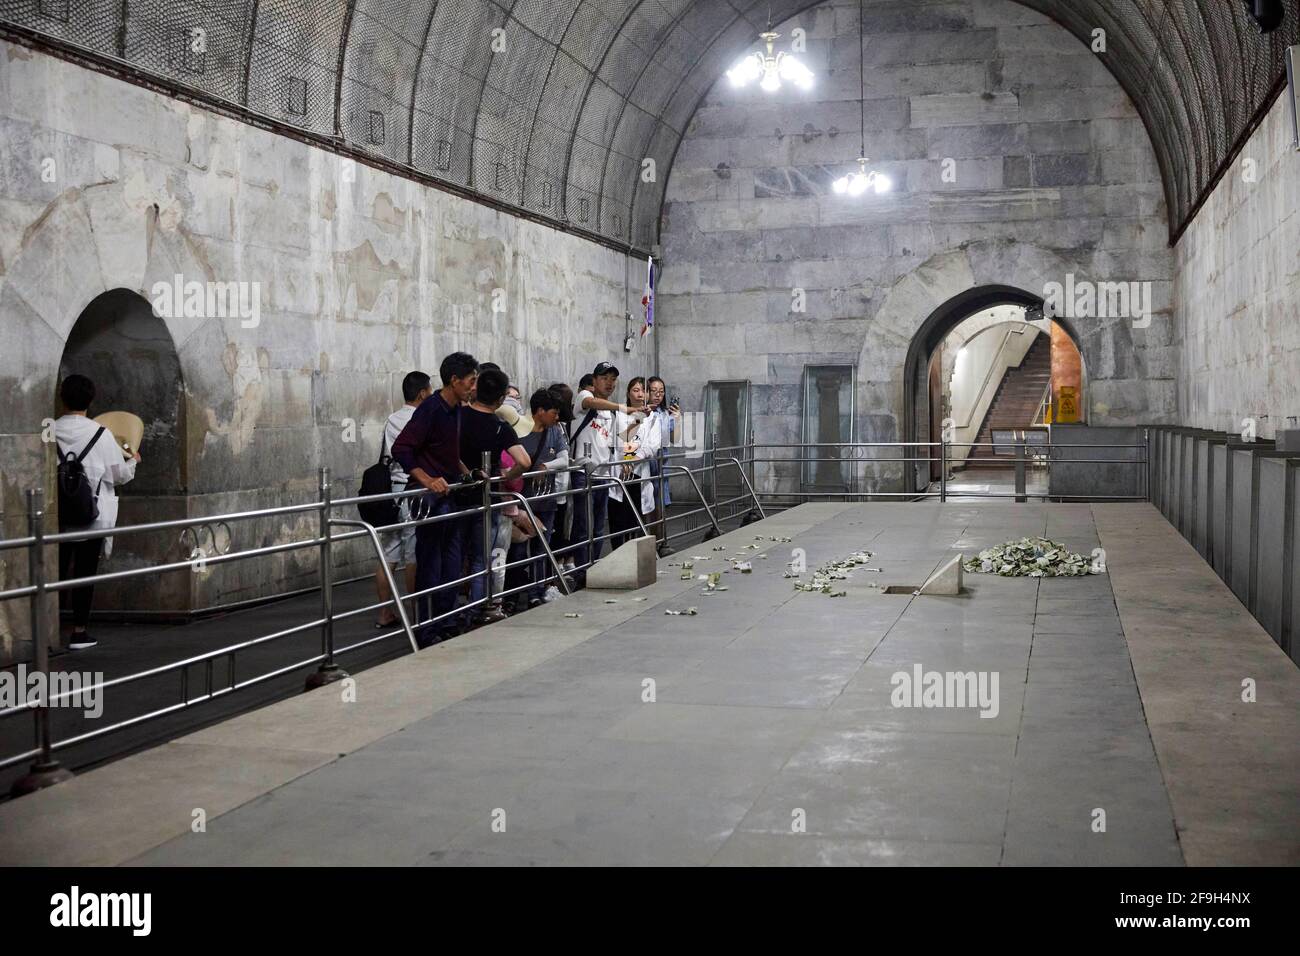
[{"x": 824, "y": 578}]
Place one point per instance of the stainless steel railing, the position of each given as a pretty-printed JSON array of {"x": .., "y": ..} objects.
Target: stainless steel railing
[{"x": 333, "y": 530}]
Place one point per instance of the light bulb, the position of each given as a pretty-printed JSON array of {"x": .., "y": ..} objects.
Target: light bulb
[
  {"x": 795, "y": 72},
  {"x": 745, "y": 72},
  {"x": 883, "y": 184}
]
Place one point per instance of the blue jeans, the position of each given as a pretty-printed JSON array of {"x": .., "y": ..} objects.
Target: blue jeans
[
  {"x": 437, "y": 560},
  {"x": 540, "y": 567},
  {"x": 472, "y": 548},
  {"x": 599, "y": 506}
]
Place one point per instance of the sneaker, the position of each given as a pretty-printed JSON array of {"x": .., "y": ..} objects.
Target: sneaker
[
  {"x": 552, "y": 594},
  {"x": 80, "y": 641},
  {"x": 492, "y": 615}
]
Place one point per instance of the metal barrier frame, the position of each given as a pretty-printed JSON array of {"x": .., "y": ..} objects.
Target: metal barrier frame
[{"x": 45, "y": 768}]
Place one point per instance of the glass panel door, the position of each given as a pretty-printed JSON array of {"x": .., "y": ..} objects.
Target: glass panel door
[
  {"x": 726, "y": 413},
  {"x": 827, "y": 426}
]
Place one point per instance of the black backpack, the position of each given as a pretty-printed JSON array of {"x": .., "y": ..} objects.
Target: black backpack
[
  {"x": 78, "y": 502},
  {"x": 378, "y": 480}
]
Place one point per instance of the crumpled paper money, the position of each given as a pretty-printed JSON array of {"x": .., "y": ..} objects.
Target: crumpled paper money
[{"x": 1031, "y": 558}]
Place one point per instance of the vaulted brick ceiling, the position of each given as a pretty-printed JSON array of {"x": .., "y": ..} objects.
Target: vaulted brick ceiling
[{"x": 557, "y": 124}]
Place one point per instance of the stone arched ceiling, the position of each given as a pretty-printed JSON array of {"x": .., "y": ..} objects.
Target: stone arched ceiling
[{"x": 556, "y": 120}]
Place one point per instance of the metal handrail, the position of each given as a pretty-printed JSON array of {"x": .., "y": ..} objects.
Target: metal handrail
[{"x": 334, "y": 530}]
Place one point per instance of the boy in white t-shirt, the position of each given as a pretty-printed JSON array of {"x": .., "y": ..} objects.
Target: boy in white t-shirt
[
  {"x": 105, "y": 468},
  {"x": 399, "y": 545},
  {"x": 593, "y": 442}
]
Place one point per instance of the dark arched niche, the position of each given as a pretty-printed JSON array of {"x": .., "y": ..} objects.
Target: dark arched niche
[{"x": 125, "y": 349}]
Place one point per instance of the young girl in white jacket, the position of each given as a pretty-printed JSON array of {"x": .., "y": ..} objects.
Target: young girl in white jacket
[{"x": 641, "y": 439}]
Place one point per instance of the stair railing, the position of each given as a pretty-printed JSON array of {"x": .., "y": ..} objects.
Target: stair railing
[{"x": 1044, "y": 403}]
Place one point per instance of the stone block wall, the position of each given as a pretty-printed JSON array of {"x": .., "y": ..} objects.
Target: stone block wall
[
  {"x": 1052, "y": 174},
  {"x": 362, "y": 276},
  {"x": 1237, "y": 291}
]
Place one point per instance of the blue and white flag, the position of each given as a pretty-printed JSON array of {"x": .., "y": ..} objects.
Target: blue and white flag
[{"x": 648, "y": 300}]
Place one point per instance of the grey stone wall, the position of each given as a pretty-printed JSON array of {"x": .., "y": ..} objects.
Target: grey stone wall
[
  {"x": 1054, "y": 175},
  {"x": 363, "y": 276},
  {"x": 1237, "y": 294}
]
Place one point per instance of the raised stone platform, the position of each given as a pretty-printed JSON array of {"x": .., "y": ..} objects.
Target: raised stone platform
[{"x": 763, "y": 728}]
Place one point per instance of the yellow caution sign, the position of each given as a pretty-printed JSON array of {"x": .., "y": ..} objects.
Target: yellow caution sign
[{"x": 1067, "y": 404}]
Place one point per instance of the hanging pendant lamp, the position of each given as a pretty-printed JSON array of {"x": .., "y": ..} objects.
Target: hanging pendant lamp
[
  {"x": 770, "y": 68},
  {"x": 862, "y": 179}
]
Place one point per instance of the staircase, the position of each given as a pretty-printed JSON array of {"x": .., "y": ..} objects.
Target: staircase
[{"x": 1016, "y": 402}]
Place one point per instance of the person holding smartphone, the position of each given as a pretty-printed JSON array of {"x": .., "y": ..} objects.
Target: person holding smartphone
[
  {"x": 593, "y": 442},
  {"x": 639, "y": 433}
]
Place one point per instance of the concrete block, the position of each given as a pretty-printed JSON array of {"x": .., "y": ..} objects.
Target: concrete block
[
  {"x": 1288, "y": 439},
  {"x": 946, "y": 580},
  {"x": 1072, "y": 473},
  {"x": 627, "y": 568},
  {"x": 965, "y": 109},
  {"x": 1241, "y": 541},
  {"x": 1220, "y": 501},
  {"x": 1201, "y": 495},
  {"x": 1272, "y": 591}
]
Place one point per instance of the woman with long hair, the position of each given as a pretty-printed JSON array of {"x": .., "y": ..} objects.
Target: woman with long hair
[
  {"x": 669, "y": 418},
  {"x": 639, "y": 437}
]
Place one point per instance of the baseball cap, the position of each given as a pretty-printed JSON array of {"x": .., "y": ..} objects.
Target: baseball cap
[
  {"x": 605, "y": 368},
  {"x": 522, "y": 424}
]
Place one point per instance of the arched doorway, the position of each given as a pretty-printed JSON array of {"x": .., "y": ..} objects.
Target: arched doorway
[
  {"x": 924, "y": 372},
  {"x": 126, "y": 350}
]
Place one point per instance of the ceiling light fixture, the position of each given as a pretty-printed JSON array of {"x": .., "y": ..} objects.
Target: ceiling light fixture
[
  {"x": 862, "y": 179},
  {"x": 770, "y": 68}
]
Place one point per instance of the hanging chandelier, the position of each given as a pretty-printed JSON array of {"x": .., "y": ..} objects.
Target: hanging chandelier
[
  {"x": 862, "y": 179},
  {"x": 770, "y": 68}
]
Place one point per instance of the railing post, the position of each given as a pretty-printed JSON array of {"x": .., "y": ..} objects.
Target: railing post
[
  {"x": 749, "y": 462},
  {"x": 1020, "y": 468},
  {"x": 589, "y": 475},
  {"x": 45, "y": 770},
  {"x": 1146, "y": 477},
  {"x": 489, "y": 538},
  {"x": 943, "y": 470},
  {"x": 328, "y": 672},
  {"x": 713, "y": 465},
  {"x": 664, "y": 548}
]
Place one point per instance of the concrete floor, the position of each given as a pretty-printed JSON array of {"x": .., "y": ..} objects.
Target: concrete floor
[{"x": 530, "y": 742}]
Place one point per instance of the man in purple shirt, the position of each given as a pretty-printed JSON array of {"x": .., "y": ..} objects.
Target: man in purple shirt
[{"x": 428, "y": 450}]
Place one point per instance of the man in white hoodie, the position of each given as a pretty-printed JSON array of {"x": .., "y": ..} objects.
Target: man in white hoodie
[{"x": 105, "y": 468}]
